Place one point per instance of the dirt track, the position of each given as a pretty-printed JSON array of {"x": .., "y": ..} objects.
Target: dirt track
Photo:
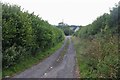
[{"x": 51, "y": 67}]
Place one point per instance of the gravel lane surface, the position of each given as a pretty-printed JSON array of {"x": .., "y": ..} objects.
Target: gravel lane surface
[{"x": 46, "y": 68}]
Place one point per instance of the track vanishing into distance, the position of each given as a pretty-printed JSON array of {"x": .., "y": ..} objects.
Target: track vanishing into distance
[{"x": 61, "y": 64}]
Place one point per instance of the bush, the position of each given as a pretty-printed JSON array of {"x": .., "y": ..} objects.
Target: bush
[
  {"x": 66, "y": 29},
  {"x": 99, "y": 46},
  {"x": 24, "y": 34}
]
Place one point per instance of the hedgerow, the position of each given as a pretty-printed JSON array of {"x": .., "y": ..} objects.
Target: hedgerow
[
  {"x": 99, "y": 46},
  {"x": 24, "y": 34}
]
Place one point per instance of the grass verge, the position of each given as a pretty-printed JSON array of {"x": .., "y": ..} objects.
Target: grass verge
[
  {"x": 97, "y": 58},
  {"x": 0, "y": 75},
  {"x": 29, "y": 61}
]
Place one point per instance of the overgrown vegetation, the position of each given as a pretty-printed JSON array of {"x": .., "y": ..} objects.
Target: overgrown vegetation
[
  {"x": 29, "y": 61},
  {"x": 66, "y": 29},
  {"x": 25, "y": 35},
  {"x": 97, "y": 46}
]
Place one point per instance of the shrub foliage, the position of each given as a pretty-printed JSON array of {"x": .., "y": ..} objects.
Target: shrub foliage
[
  {"x": 24, "y": 34},
  {"x": 99, "y": 56}
]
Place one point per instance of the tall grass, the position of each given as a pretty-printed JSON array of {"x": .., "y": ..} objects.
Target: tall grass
[
  {"x": 97, "y": 57},
  {"x": 97, "y": 46}
]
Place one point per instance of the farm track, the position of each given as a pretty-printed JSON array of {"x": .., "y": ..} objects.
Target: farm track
[{"x": 61, "y": 64}]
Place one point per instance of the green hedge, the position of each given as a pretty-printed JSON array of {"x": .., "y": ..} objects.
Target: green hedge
[
  {"x": 105, "y": 24},
  {"x": 25, "y": 34},
  {"x": 99, "y": 43}
]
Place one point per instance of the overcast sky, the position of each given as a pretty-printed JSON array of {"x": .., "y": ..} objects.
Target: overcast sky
[{"x": 77, "y": 12}]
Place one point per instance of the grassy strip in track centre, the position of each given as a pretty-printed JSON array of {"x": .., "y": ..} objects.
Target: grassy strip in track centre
[{"x": 64, "y": 51}]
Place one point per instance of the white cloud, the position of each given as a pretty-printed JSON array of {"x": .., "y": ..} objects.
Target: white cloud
[{"x": 79, "y": 12}]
